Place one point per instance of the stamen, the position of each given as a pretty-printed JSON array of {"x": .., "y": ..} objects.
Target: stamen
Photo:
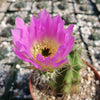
[{"x": 45, "y": 48}]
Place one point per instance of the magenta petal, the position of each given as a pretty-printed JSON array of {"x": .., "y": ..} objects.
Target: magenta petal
[
  {"x": 65, "y": 61},
  {"x": 69, "y": 48},
  {"x": 16, "y": 34},
  {"x": 45, "y": 61},
  {"x": 20, "y": 55},
  {"x": 19, "y": 42},
  {"x": 69, "y": 30},
  {"x": 55, "y": 57},
  {"x": 19, "y": 22},
  {"x": 24, "y": 31},
  {"x": 60, "y": 33},
  {"x": 23, "y": 49},
  {"x": 45, "y": 24},
  {"x": 40, "y": 30},
  {"x": 39, "y": 58},
  {"x": 24, "y": 58},
  {"x": 43, "y": 14},
  {"x": 55, "y": 25},
  {"x": 32, "y": 29}
]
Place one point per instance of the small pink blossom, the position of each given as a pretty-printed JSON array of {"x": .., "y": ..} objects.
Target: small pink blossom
[{"x": 44, "y": 43}]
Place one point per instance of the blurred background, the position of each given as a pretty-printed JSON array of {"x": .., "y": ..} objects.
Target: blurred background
[{"x": 84, "y": 14}]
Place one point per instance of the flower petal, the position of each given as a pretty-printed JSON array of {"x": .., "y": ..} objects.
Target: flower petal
[
  {"x": 32, "y": 29},
  {"x": 63, "y": 62},
  {"x": 24, "y": 58},
  {"x": 60, "y": 33},
  {"x": 69, "y": 30},
  {"x": 56, "y": 20},
  {"x": 19, "y": 22},
  {"x": 45, "y": 61},
  {"x": 69, "y": 48},
  {"x": 39, "y": 58},
  {"x": 43, "y": 15},
  {"x": 16, "y": 35}
]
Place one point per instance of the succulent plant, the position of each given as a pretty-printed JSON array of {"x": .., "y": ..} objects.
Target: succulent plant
[
  {"x": 48, "y": 46},
  {"x": 68, "y": 76}
]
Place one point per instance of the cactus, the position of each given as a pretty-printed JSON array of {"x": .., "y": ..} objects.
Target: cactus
[{"x": 67, "y": 78}]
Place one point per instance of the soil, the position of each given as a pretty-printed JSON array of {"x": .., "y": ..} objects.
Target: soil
[{"x": 88, "y": 88}]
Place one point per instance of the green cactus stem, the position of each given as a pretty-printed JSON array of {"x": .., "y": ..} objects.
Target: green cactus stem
[{"x": 67, "y": 78}]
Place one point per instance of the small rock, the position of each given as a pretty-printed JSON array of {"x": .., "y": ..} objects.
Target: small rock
[
  {"x": 20, "y": 4},
  {"x": 18, "y": 66},
  {"x": 89, "y": 69},
  {"x": 93, "y": 88},
  {"x": 3, "y": 52},
  {"x": 97, "y": 82},
  {"x": 16, "y": 90},
  {"x": 6, "y": 32}
]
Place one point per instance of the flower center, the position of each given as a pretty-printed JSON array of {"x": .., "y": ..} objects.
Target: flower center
[
  {"x": 45, "y": 48},
  {"x": 46, "y": 52}
]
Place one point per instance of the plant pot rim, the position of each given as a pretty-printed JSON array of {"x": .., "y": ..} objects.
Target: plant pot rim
[
  {"x": 30, "y": 86},
  {"x": 88, "y": 64}
]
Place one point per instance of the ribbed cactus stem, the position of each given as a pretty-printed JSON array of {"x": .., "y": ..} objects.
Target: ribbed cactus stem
[
  {"x": 68, "y": 76},
  {"x": 68, "y": 81}
]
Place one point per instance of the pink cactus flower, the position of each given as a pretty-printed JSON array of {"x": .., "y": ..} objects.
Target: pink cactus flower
[{"x": 44, "y": 43}]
